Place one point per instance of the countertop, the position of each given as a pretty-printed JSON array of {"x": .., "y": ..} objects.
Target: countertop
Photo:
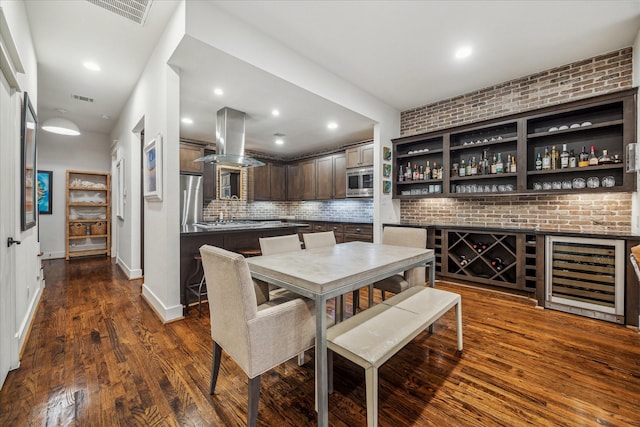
[
  {"x": 537, "y": 232},
  {"x": 241, "y": 226}
]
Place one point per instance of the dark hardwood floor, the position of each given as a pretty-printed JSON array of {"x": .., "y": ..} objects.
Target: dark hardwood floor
[{"x": 97, "y": 355}]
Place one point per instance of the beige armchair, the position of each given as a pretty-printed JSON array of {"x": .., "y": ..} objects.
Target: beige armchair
[
  {"x": 402, "y": 236},
  {"x": 257, "y": 337}
]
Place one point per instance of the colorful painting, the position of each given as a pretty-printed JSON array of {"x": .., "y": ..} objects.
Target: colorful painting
[
  {"x": 43, "y": 192},
  {"x": 386, "y": 186},
  {"x": 386, "y": 153},
  {"x": 386, "y": 170}
]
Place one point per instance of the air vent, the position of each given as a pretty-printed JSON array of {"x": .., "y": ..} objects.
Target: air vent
[
  {"x": 133, "y": 10},
  {"x": 82, "y": 98}
]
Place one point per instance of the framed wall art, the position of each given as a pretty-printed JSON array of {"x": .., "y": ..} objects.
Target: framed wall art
[
  {"x": 28, "y": 130},
  {"x": 43, "y": 192},
  {"x": 386, "y": 154},
  {"x": 153, "y": 169},
  {"x": 386, "y": 170},
  {"x": 386, "y": 186}
]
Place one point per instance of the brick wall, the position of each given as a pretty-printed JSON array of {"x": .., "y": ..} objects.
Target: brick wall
[{"x": 584, "y": 213}]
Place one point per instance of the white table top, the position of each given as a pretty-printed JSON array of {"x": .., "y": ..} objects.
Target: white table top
[{"x": 321, "y": 271}]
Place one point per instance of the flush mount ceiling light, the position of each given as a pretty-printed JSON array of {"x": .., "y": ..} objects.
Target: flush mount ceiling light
[
  {"x": 279, "y": 141},
  {"x": 91, "y": 66},
  {"x": 275, "y": 113},
  {"x": 218, "y": 91},
  {"x": 187, "y": 121},
  {"x": 332, "y": 125},
  {"x": 61, "y": 126},
  {"x": 463, "y": 52}
]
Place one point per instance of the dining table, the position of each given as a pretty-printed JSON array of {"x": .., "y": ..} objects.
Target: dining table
[{"x": 328, "y": 272}]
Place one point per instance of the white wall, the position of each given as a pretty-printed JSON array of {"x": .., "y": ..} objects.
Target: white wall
[
  {"x": 28, "y": 283},
  {"x": 59, "y": 153},
  {"x": 154, "y": 105}
]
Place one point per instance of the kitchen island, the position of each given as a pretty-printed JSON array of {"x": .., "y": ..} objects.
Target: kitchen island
[{"x": 231, "y": 235}]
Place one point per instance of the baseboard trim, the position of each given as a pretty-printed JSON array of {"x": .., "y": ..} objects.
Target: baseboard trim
[
  {"x": 166, "y": 314},
  {"x": 129, "y": 272}
]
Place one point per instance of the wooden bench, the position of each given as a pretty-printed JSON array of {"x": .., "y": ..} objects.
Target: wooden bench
[{"x": 372, "y": 336}]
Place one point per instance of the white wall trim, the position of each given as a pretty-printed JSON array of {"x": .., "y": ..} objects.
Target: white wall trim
[
  {"x": 131, "y": 273},
  {"x": 166, "y": 314},
  {"x": 54, "y": 255},
  {"x": 26, "y": 321}
]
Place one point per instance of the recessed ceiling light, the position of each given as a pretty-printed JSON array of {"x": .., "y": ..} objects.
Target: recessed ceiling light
[
  {"x": 62, "y": 110},
  {"x": 279, "y": 141},
  {"x": 275, "y": 113},
  {"x": 218, "y": 91},
  {"x": 332, "y": 125},
  {"x": 187, "y": 121},
  {"x": 105, "y": 116},
  {"x": 463, "y": 52},
  {"x": 91, "y": 66}
]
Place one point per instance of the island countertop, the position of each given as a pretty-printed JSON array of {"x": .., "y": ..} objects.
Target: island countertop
[{"x": 238, "y": 226}]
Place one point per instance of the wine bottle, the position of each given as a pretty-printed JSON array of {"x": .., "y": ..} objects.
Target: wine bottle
[
  {"x": 408, "y": 173},
  {"x": 497, "y": 263},
  {"x": 479, "y": 247},
  {"x": 573, "y": 162},
  {"x": 546, "y": 159},
  {"x": 499, "y": 164},
  {"x": 512, "y": 164},
  {"x": 593, "y": 159},
  {"x": 539, "y": 161},
  {"x": 564, "y": 157},
  {"x": 554, "y": 158},
  {"x": 494, "y": 165},
  {"x": 463, "y": 169},
  {"x": 400, "y": 174},
  {"x": 474, "y": 166},
  {"x": 583, "y": 159},
  {"x": 463, "y": 260}
]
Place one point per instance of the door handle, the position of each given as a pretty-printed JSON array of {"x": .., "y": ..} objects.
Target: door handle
[{"x": 10, "y": 241}]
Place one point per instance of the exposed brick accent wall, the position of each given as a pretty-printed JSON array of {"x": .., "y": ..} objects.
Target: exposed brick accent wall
[
  {"x": 594, "y": 213},
  {"x": 583, "y": 79}
]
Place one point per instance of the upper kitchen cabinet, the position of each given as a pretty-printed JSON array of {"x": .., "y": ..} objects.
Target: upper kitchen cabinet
[
  {"x": 208, "y": 179},
  {"x": 308, "y": 172},
  {"x": 188, "y": 153},
  {"x": 294, "y": 182},
  {"x": 331, "y": 177},
  {"x": 360, "y": 156},
  {"x": 269, "y": 182}
]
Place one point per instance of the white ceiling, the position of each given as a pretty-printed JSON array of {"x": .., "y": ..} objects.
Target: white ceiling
[{"x": 402, "y": 52}]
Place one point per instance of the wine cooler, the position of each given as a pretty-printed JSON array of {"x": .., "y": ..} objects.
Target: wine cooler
[{"x": 585, "y": 276}]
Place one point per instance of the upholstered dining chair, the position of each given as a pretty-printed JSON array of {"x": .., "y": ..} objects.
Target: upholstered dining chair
[
  {"x": 319, "y": 240},
  {"x": 408, "y": 237},
  {"x": 258, "y": 337}
]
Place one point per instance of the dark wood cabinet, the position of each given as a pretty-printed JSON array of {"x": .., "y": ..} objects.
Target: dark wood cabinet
[
  {"x": 308, "y": 173},
  {"x": 331, "y": 176},
  {"x": 294, "y": 182},
  {"x": 607, "y": 122},
  {"x": 344, "y": 232},
  {"x": 188, "y": 153},
  {"x": 269, "y": 182},
  {"x": 208, "y": 179},
  {"x": 360, "y": 156},
  {"x": 339, "y": 176}
]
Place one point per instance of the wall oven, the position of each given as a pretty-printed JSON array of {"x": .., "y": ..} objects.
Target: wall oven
[{"x": 360, "y": 182}]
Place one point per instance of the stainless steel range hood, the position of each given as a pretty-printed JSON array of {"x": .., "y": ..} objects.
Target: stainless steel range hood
[{"x": 230, "y": 141}]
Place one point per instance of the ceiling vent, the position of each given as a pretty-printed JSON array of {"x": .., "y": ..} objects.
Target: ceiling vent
[
  {"x": 82, "y": 98},
  {"x": 134, "y": 10}
]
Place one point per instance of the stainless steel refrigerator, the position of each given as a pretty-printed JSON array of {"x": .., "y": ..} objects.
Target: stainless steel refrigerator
[{"x": 190, "y": 199}]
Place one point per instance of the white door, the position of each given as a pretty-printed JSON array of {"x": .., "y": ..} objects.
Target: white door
[{"x": 8, "y": 140}]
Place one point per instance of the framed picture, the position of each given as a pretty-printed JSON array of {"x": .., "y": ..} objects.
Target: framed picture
[
  {"x": 28, "y": 129},
  {"x": 43, "y": 192},
  {"x": 153, "y": 169},
  {"x": 386, "y": 186},
  {"x": 386, "y": 154},
  {"x": 386, "y": 170}
]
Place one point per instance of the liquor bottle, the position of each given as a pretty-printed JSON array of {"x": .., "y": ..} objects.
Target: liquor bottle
[
  {"x": 427, "y": 171},
  {"x": 469, "y": 168},
  {"x": 564, "y": 157},
  {"x": 593, "y": 159},
  {"x": 463, "y": 169},
  {"x": 400, "y": 174},
  {"x": 554, "y": 158},
  {"x": 573, "y": 161},
  {"x": 499, "y": 164},
  {"x": 486, "y": 167},
  {"x": 539, "y": 161},
  {"x": 408, "y": 173},
  {"x": 416, "y": 174},
  {"x": 497, "y": 263},
  {"x": 494, "y": 165},
  {"x": 434, "y": 171},
  {"x": 421, "y": 173},
  {"x": 512, "y": 164},
  {"x": 583, "y": 159},
  {"x": 546, "y": 159},
  {"x": 474, "y": 166},
  {"x": 605, "y": 158}
]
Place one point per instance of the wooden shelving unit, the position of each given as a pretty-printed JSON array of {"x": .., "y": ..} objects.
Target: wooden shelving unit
[{"x": 88, "y": 215}]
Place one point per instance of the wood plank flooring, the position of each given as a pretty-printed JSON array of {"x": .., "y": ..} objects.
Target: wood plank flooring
[{"x": 98, "y": 356}]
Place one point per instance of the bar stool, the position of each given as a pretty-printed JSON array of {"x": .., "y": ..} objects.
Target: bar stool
[{"x": 198, "y": 289}]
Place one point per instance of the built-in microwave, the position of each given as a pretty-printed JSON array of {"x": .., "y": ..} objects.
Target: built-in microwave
[{"x": 360, "y": 182}]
